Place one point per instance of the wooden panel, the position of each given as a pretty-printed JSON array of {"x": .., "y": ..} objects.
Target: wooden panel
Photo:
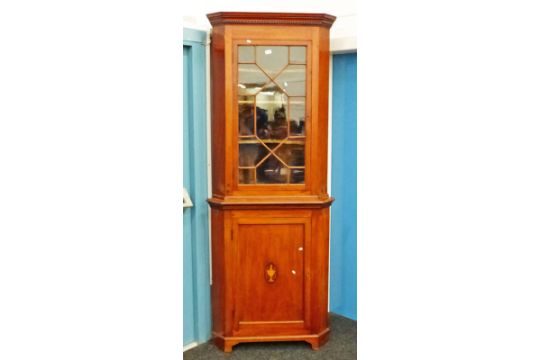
[
  {"x": 218, "y": 272},
  {"x": 217, "y": 130},
  {"x": 319, "y": 285},
  {"x": 320, "y": 142},
  {"x": 270, "y": 276},
  {"x": 279, "y": 244}
]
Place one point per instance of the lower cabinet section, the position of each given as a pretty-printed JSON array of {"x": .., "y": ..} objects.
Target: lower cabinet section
[{"x": 270, "y": 271}]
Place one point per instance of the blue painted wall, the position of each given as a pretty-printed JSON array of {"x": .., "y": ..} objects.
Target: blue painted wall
[
  {"x": 343, "y": 210},
  {"x": 189, "y": 321},
  {"x": 196, "y": 307}
]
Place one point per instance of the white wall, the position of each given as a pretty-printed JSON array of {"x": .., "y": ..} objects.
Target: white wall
[
  {"x": 90, "y": 180},
  {"x": 342, "y": 33}
]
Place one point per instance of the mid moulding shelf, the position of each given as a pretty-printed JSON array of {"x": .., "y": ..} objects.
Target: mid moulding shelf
[{"x": 300, "y": 141}]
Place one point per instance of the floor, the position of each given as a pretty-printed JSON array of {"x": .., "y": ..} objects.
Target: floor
[{"x": 341, "y": 346}]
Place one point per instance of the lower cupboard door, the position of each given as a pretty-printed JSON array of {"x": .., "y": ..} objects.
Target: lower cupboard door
[{"x": 271, "y": 282}]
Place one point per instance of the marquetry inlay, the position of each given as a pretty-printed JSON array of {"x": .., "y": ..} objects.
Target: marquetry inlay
[{"x": 270, "y": 273}]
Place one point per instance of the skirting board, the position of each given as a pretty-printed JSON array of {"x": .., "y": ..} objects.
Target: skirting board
[{"x": 190, "y": 346}]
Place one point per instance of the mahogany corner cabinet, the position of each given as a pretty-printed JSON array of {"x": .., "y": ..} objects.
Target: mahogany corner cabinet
[{"x": 269, "y": 204}]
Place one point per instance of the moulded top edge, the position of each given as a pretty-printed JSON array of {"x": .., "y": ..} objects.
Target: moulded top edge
[
  {"x": 279, "y": 203},
  {"x": 268, "y": 18}
]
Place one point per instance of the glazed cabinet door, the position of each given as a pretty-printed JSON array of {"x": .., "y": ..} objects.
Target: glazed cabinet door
[
  {"x": 271, "y": 272},
  {"x": 272, "y": 96}
]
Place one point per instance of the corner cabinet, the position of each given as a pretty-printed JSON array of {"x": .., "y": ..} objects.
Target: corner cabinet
[{"x": 270, "y": 207}]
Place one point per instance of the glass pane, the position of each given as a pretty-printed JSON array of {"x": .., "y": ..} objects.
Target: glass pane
[
  {"x": 272, "y": 58},
  {"x": 293, "y": 80},
  {"x": 246, "y": 176},
  {"x": 292, "y": 153},
  {"x": 298, "y": 54},
  {"x": 272, "y": 171},
  {"x": 246, "y": 119},
  {"x": 297, "y": 176},
  {"x": 297, "y": 114},
  {"x": 251, "y": 152},
  {"x": 271, "y": 113},
  {"x": 250, "y": 79},
  {"x": 246, "y": 54}
]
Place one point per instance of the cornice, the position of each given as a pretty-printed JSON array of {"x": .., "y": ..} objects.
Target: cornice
[{"x": 267, "y": 18}]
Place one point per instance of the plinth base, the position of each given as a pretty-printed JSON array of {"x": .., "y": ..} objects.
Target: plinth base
[{"x": 226, "y": 343}]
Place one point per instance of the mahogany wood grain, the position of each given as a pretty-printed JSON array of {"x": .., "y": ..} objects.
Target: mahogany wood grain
[
  {"x": 217, "y": 74},
  {"x": 218, "y": 271},
  {"x": 269, "y": 242}
]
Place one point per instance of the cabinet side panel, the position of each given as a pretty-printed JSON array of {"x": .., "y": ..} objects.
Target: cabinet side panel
[
  {"x": 319, "y": 309},
  {"x": 324, "y": 63},
  {"x": 218, "y": 272},
  {"x": 217, "y": 66}
]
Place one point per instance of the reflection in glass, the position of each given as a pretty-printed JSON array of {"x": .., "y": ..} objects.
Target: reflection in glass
[
  {"x": 272, "y": 58},
  {"x": 293, "y": 80},
  {"x": 298, "y": 54},
  {"x": 250, "y": 79},
  {"x": 271, "y": 113},
  {"x": 297, "y": 176},
  {"x": 246, "y": 119},
  {"x": 297, "y": 114},
  {"x": 251, "y": 152},
  {"x": 247, "y": 176},
  {"x": 246, "y": 54},
  {"x": 272, "y": 171},
  {"x": 292, "y": 153}
]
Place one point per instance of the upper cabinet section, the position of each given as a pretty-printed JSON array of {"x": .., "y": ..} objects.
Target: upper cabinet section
[{"x": 269, "y": 104}]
